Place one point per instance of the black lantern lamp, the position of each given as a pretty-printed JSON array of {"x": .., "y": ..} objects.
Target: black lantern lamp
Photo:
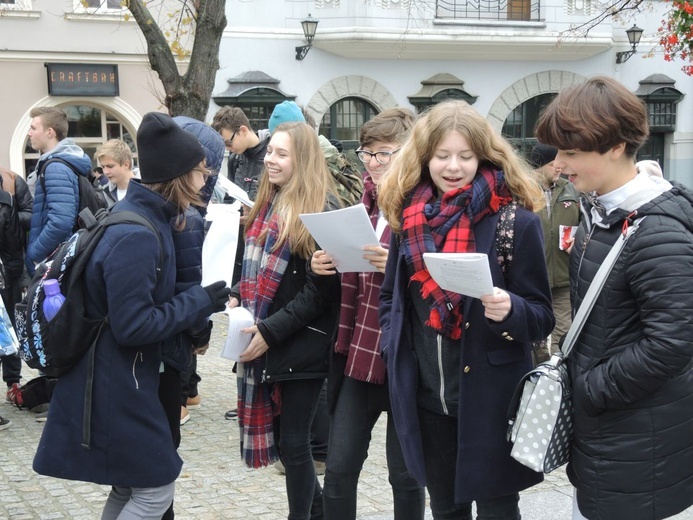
[
  {"x": 634, "y": 35},
  {"x": 310, "y": 25}
]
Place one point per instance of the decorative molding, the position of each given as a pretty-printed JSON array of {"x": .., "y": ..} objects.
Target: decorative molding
[
  {"x": 349, "y": 86},
  {"x": 528, "y": 87},
  {"x": 125, "y": 113}
]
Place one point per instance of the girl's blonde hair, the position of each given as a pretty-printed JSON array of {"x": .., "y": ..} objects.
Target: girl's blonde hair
[
  {"x": 181, "y": 192},
  {"x": 305, "y": 191},
  {"x": 410, "y": 165}
]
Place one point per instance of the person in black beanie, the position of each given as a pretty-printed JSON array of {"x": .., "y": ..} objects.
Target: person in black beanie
[{"x": 131, "y": 279}]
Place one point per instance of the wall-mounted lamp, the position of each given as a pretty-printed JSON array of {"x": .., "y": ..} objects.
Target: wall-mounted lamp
[
  {"x": 309, "y": 25},
  {"x": 634, "y": 35}
]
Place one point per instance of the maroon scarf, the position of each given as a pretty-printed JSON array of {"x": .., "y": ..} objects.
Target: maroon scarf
[
  {"x": 433, "y": 224},
  {"x": 358, "y": 336}
]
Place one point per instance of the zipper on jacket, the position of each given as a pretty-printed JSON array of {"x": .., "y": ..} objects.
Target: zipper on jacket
[
  {"x": 439, "y": 342},
  {"x": 134, "y": 374}
]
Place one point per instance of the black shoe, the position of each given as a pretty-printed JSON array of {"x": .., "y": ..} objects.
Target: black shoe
[
  {"x": 4, "y": 423},
  {"x": 231, "y": 414}
]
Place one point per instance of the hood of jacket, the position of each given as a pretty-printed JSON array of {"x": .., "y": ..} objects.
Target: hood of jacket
[{"x": 68, "y": 151}]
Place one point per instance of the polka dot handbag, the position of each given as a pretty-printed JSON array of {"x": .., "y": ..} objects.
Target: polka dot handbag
[
  {"x": 542, "y": 428},
  {"x": 540, "y": 415}
]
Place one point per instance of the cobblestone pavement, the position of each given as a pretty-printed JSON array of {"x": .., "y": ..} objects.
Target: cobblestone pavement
[{"x": 214, "y": 484}]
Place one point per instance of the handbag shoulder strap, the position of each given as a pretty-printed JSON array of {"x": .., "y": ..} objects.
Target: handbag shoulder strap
[{"x": 596, "y": 287}]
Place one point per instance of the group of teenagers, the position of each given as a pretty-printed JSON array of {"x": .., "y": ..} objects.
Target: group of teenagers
[{"x": 443, "y": 366}]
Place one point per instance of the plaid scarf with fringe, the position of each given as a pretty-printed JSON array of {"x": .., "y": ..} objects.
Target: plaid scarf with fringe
[
  {"x": 433, "y": 224},
  {"x": 358, "y": 336},
  {"x": 262, "y": 273}
]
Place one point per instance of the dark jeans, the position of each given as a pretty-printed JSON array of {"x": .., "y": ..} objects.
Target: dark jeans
[
  {"x": 358, "y": 408},
  {"x": 439, "y": 436},
  {"x": 11, "y": 365},
  {"x": 320, "y": 429},
  {"x": 169, "y": 395},
  {"x": 299, "y": 400}
]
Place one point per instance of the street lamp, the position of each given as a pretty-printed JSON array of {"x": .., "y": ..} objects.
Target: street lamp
[
  {"x": 634, "y": 35},
  {"x": 309, "y": 25}
]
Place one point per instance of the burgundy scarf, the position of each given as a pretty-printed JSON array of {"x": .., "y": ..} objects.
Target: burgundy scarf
[
  {"x": 358, "y": 336},
  {"x": 433, "y": 224}
]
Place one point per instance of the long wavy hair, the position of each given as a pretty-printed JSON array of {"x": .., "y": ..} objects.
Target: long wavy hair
[
  {"x": 410, "y": 166},
  {"x": 305, "y": 191}
]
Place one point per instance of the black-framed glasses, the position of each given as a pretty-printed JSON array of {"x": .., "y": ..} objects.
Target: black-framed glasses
[
  {"x": 229, "y": 141},
  {"x": 382, "y": 157}
]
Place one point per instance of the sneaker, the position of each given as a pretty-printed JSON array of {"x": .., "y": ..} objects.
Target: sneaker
[
  {"x": 193, "y": 402},
  {"x": 42, "y": 416},
  {"x": 231, "y": 414},
  {"x": 4, "y": 423},
  {"x": 184, "y": 415},
  {"x": 14, "y": 395}
]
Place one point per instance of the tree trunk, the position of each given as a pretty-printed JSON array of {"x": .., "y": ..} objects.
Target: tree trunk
[{"x": 186, "y": 95}]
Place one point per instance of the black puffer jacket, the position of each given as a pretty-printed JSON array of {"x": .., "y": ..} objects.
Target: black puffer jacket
[
  {"x": 631, "y": 367},
  {"x": 16, "y": 205}
]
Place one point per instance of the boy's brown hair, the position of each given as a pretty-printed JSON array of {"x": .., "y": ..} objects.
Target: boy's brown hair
[
  {"x": 594, "y": 116},
  {"x": 390, "y": 126},
  {"x": 231, "y": 118},
  {"x": 52, "y": 117}
]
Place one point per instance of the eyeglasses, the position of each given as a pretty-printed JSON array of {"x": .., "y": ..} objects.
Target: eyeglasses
[
  {"x": 382, "y": 157},
  {"x": 229, "y": 141}
]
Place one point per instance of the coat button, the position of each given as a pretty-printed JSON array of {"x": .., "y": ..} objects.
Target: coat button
[
  {"x": 504, "y": 334},
  {"x": 466, "y": 325},
  {"x": 467, "y": 369}
]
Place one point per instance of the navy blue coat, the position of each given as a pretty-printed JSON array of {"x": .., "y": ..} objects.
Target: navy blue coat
[
  {"x": 55, "y": 210},
  {"x": 495, "y": 356},
  {"x": 131, "y": 441}
]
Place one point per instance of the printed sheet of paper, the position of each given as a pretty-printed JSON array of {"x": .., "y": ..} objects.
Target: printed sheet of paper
[
  {"x": 234, "y": 190},
  {"x": 342, "y": 233},
  {"x": 463, "y": 273}
]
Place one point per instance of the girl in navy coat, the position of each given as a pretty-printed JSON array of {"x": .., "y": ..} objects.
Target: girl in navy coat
[
  {"x": 453, "y": 361},
  {"x": 130, "y": 445}
]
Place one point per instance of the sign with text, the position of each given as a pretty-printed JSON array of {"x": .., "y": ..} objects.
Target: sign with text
[{"x": 81, "y": 79}]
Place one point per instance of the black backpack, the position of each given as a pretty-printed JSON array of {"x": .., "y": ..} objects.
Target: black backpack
[
  {"x": 55, "y": 346},
  {"x": 89, "y": 196}
]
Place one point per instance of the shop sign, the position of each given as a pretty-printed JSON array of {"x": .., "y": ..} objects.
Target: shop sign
[{"x": 80, "y": 79}]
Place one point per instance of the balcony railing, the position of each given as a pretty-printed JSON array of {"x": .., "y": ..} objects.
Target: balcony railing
[{"x": 510, "y": 10}]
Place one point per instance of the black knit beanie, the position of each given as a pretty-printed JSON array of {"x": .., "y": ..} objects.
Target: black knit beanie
[
  {"x": 541, "y": 155},
  {"x": 165, "y": 150}
]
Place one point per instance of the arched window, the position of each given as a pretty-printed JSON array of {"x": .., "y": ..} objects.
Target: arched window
[
  {"x": 90, "y": 127},
  {"x": 345, "y": 119},
  {"x": 519, "y": 125}
]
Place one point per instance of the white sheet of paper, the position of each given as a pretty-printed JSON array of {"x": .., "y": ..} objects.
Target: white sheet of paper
[
  {"x": 234, "y": 190},
  {"x": 463, "y": 273},
  {"x": 237, "y": 341},
  {"x": 342, "y": 233},
  {"x": 219, "y": 246}
]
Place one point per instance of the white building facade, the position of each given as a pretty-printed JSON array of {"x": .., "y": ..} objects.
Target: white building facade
[{"x": 506, "y": 57}]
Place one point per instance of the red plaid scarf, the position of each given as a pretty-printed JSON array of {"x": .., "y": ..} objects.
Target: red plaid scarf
[
  {"x": 358, "y": 336},
  {"x": 262, "y": 273},
  {"x": 445, "y": 225}
]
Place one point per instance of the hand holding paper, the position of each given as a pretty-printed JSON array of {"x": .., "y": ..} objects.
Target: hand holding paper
[
  {"x": 342, "y": 234},
  {"x": 463, "y": 273}
]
